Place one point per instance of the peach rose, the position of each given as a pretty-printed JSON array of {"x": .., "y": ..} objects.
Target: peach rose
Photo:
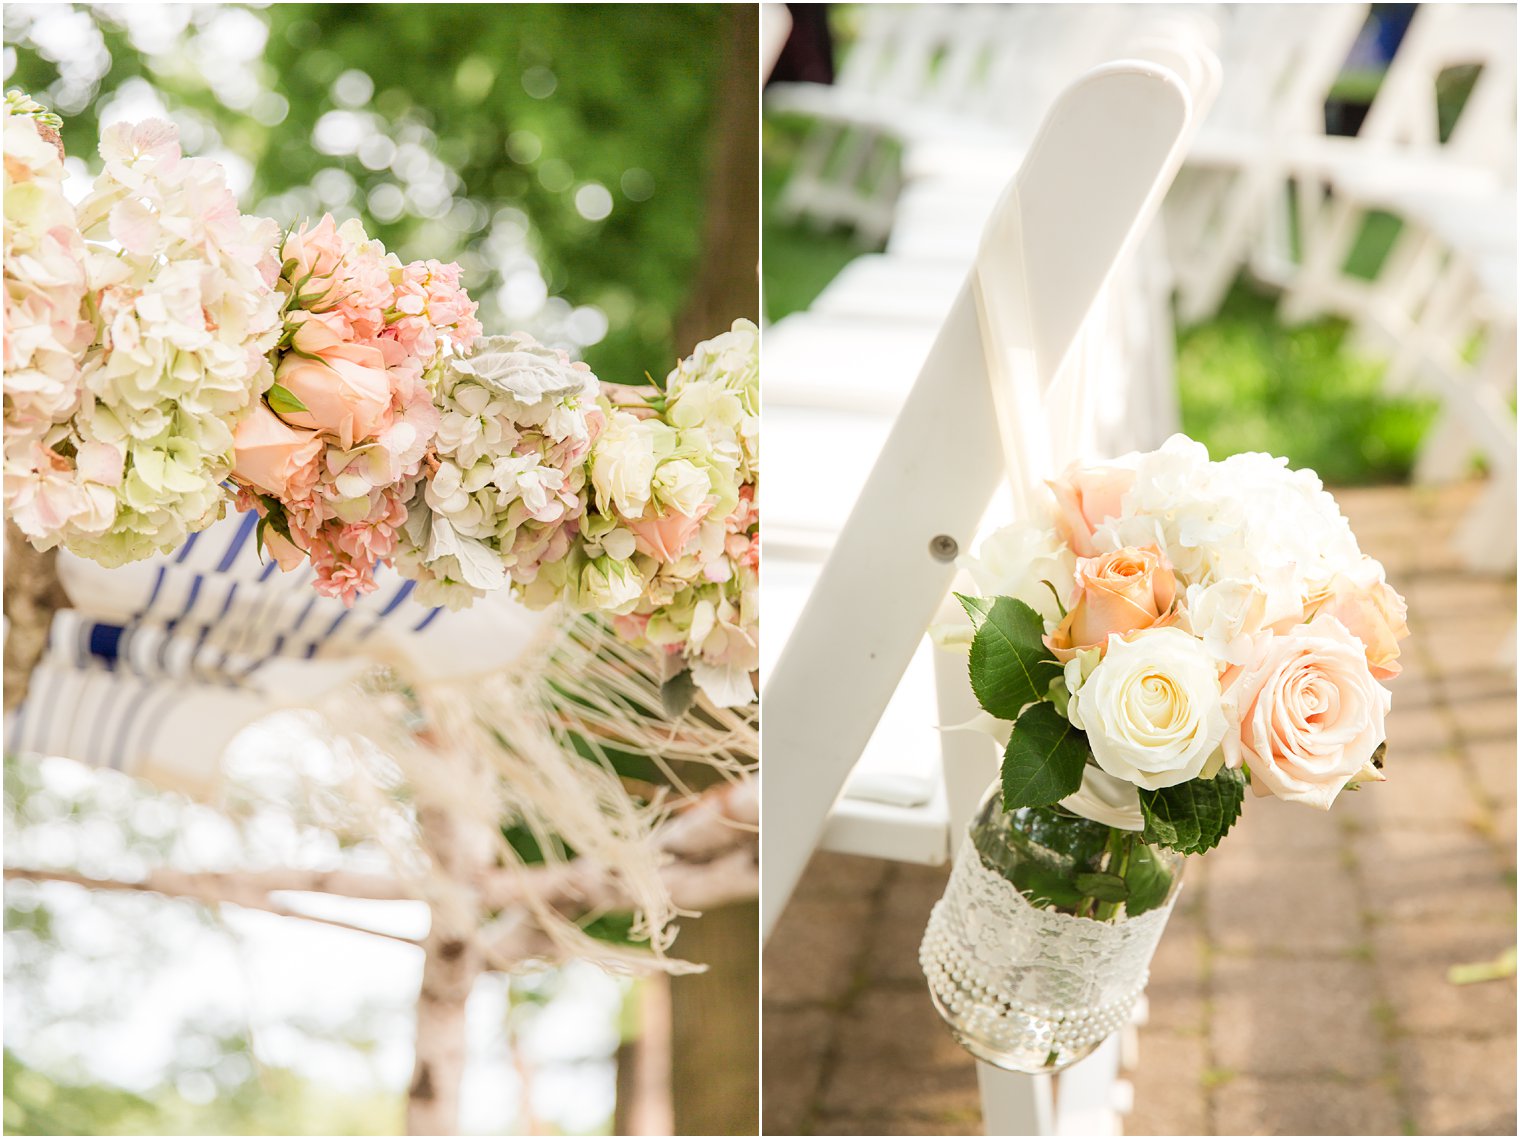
[
  {"x": 1371, "y": 609},
  {"x": 665, "y": 538},
  {"x": 274, "y": 456},
  {"x": 1305, "y": 715},
  {"x": 1085, "y": 496},
  {"x": 345, "y": 385},
  {"x": 287, "y": 555},
  {"x": 1122, "y": 592},
  {"x": 317, "y": 251}
]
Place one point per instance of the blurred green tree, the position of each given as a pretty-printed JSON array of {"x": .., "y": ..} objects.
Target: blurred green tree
[{"x": 561, "y": 153}]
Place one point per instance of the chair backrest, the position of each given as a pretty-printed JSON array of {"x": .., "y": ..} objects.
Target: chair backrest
[
  {"x": 1443, "y": 36},
  {"x": 901, "y": 50},
  {"x": 1088, "y": 186},
  {"x": 1280, "y": 61}
]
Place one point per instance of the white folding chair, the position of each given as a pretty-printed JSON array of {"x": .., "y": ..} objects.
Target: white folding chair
[
  {"x": 1228, "y": 205},
  {"x": 1450, "y": 275},
  {"x": 1397, "y": 162},
  {"x": 985, "y": 404},
  {"x": 906, "y": 58}
]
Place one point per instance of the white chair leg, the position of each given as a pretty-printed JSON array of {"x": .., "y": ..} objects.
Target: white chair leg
[
  {"x": 1085, "y": 1096},
  {"x": 1446, "y": 452},
  {"x": 1013, "y": 1103},
  {"x": 1486, "y": 539},
  {"x": 1327, "y": 239}
]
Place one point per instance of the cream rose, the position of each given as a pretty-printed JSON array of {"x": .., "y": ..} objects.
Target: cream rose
[
  {"x": 1151, "y": 709},
  {"x": 623, "y": 464},
  {"x": 1305, "y": 715},
  {"x": 1121, "y": 592},
  {"x": 1085, "y": 497}
]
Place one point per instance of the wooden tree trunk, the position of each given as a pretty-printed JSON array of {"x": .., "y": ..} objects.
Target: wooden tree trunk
[
  {"x": 715, "y": 1054},
  {"x": 715, "y": 1059},
  {"x": 728, "y": 279},
  {"x": 454, "y": 961},
  {"x": 643, "y": 1063},
  {"x": 448, "y": 976},
  {"x": 33, "y": 594}
]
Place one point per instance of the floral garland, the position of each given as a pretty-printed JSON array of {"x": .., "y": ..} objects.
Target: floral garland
[{"x": 166, "y": 355}]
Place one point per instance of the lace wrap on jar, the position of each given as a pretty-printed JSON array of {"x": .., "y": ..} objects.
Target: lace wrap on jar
[{"x": 1015, "y": 980}]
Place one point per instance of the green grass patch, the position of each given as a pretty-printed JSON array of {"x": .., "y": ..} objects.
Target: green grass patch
[
  {"x": 798, "y": 259},
  {"x": 1249, "y": 384}
]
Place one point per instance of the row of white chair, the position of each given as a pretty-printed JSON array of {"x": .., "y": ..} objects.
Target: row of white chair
[{"x": 935, "y": 104}]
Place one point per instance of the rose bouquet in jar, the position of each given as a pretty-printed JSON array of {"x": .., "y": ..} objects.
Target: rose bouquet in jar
[{"x": 1166, "y": 633}]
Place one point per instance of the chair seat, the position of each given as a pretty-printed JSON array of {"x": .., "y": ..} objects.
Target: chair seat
[
  {"x": 893, "y": 805},
  {"x": 814, "y": 491},
  {"x": 1382, "y": 175},
  {"x": 990, "y": 161},
  {"x": 846, "y": 363},
  {"x": 895, "y": 289}
]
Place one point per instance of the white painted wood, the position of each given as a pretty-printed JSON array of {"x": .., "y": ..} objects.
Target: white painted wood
[
  {"x": 1085, "y": 1103},
  {"x": 1013, "y": 1104},
  {"x": 1398, "y": 152},
  {"x": 775, "y": 27}
]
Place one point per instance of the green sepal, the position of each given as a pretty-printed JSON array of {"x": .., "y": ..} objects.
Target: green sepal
[
  {"x": 274, "y": 519},
  {"x": 283, "y": 401}
]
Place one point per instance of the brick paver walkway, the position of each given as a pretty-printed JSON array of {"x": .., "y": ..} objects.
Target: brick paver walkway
[{"x": 1301, "y": 985}]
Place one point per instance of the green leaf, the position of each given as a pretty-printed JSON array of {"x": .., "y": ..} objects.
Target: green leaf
[
  {"x": 1104, "y": 886},
  {"x": 1148, "y": 879},
  {"x": 1010, "y": 665},
  {"x": 1044, "y": 760},
  {"x": 283, "y": 401},
  {"x": 1192, "y": 817},
  {"x": 976, "y": 608}
]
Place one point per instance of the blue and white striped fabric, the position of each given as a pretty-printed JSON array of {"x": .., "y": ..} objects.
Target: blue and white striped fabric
[{"x": 161, "y": 662}]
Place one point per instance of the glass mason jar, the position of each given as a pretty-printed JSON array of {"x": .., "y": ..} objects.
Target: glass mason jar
[{"x": 1044, "y": 937}]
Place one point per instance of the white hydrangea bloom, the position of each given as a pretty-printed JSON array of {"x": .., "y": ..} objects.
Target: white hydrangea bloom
[
  {"x": 186, "y": 315},
  {"x": 717, "y": 388},
  {"x": 1245, "y": 519},
  {"x": 52, "y": 488},
  {"x": 517, "y": 420}
]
